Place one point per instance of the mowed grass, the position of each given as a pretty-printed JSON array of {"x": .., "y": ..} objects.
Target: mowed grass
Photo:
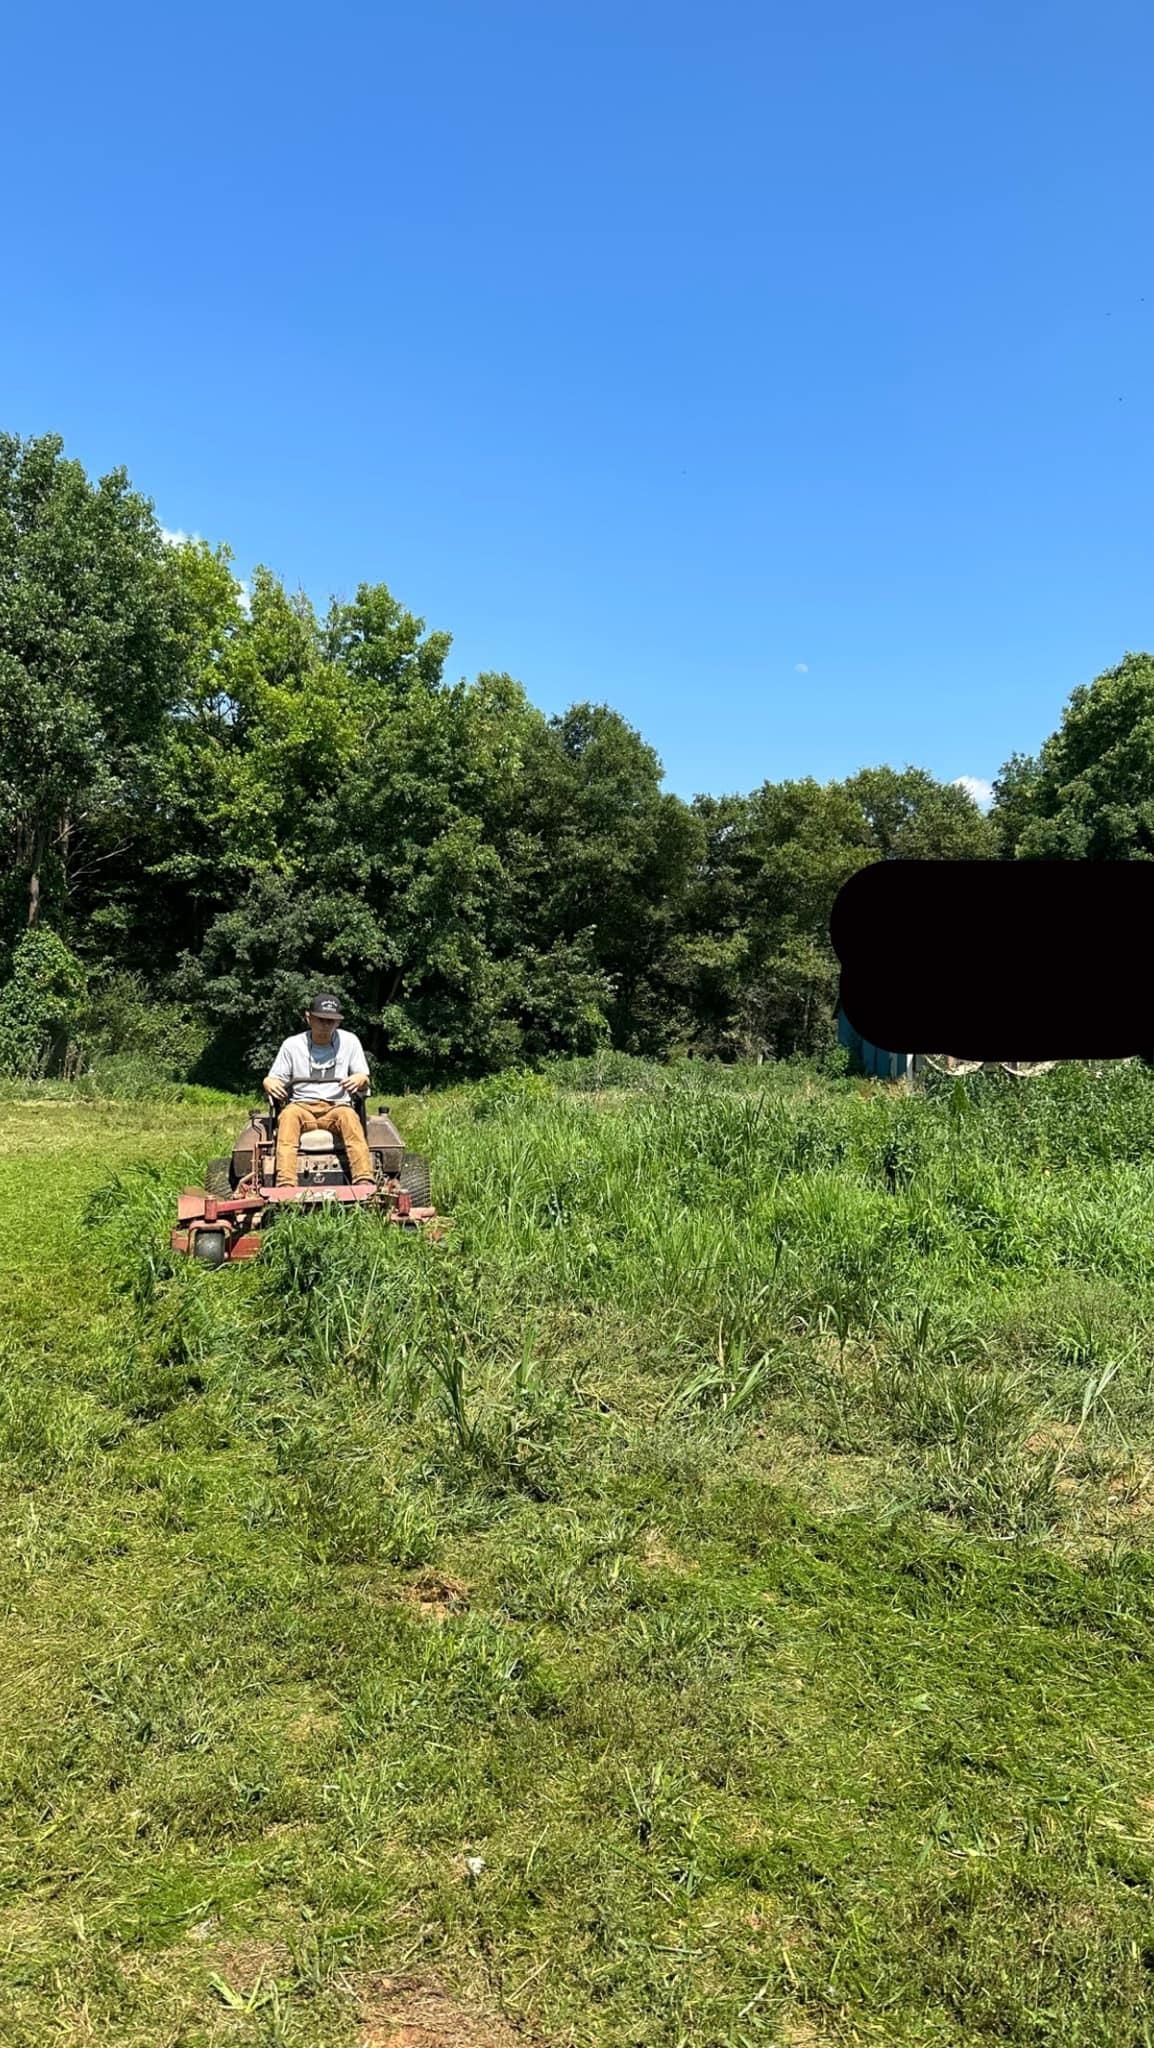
[{"x": 734, "y": 1536}]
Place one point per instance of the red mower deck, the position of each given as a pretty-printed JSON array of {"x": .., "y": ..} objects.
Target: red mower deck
[{"x": 219, "y": 1227}]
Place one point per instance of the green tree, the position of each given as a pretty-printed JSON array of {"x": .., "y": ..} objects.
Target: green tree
[
  {"x": 1089, "y": 795},
  {"x": 1015, "y": 801},
  {"x": 607, "y": 860},
  {"x": 755, "y": 948},
  {"x": 40, "y": 1003},
  {"x": 361, "y": 822},
  {"x": 91, "y": 653},
  {"x": 911, "y": 816},
  {"x": 163, "y": 868},
  {"x": 221, "y": 803}
]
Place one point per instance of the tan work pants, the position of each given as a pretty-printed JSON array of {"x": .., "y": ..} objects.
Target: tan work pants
[{"x": 344, "y": 1124}]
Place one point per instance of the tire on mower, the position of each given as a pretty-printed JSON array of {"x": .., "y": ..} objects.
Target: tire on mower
[
  {"x": 208, "y": 1247},
  {"x": 414, "y": 1178},
  {"x": 218, "y": 1177}
]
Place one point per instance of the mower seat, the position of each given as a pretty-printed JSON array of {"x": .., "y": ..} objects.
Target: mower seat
[{"x": 316, "y": 1141}]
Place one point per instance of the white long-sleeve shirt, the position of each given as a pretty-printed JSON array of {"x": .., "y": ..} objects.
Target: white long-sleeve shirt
[{"x": 318, "y": 1073}]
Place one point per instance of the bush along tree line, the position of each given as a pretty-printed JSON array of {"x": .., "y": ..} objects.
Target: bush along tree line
[{"x": 212, "y": 800}]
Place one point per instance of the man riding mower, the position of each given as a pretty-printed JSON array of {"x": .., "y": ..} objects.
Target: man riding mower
[
  {"x": 325, "y": 1072},
  {"x": 316, "y": 1143}
]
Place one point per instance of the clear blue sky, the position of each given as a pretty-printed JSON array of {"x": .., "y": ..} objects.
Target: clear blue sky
[{"x": 779, "y": 374}]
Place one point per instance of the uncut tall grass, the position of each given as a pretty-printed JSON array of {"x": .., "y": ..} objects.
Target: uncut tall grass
[{"x": 953, "y": 1282}]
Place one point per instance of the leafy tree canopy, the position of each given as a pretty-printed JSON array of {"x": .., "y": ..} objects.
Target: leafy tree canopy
[
  {"x": 212, "y": 799},
  {"x": 1089, "y": 794}
]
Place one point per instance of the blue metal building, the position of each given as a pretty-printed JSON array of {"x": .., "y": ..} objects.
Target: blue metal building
[{"x": 870, "y": 1059}]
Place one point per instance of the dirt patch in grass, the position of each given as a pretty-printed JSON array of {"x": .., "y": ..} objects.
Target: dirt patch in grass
[
  {"x": 1082, "y": 1916},
  {"x": 798, "y": 2032},
  {"x": 243, "y": 1964},
  {"x": 1106, "y": 1508},
  {"x": 659, "y": 1556},
  {"x": 430, "y": 1593},
  {"x": 1132, "y": 1490},
  {"x": 405, "y": 2012},
  {"x": 1051, "y": 1436},
  {"x": 311, "y": 1724},
  {"x": 435, "y": 1594}
]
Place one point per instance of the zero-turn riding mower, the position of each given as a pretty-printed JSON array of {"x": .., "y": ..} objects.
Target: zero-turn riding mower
[{"x": 224, "y": 1221}]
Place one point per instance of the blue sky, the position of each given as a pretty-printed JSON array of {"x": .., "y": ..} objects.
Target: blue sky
[{"x": 778, "y": 374}]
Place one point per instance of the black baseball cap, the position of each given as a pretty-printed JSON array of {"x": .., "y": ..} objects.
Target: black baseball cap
[{"x": 326, "y": 1006}]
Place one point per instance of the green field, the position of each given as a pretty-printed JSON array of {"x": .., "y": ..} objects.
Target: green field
[{"x": 736, "y": 1533}]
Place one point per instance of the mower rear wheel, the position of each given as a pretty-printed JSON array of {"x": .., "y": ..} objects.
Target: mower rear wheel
[
  {"x": 218, "y": 1177},
  {"x": 414, "y": 1178},
  {"x": 208, "y": 1247}
]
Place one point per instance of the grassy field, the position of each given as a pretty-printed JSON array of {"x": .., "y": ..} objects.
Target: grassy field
[{"x": 735, "y": 1538}]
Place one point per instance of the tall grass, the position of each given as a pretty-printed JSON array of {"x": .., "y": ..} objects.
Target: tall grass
[{"x": 859, "y": 1265}]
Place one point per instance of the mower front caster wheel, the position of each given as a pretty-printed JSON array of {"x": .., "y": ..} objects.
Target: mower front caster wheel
[{"x": 208, "y": 1247}]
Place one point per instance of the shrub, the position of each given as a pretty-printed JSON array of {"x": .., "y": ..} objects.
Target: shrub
[
  {"x": 39, "y": 1005},
  {"x": 125, "y": 1027}
]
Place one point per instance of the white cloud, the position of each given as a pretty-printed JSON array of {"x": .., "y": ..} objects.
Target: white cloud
[
  {"x": 801, "y": 668},
  {"x": 243, "y": 596},
  {"x": 982, "y": 792}
]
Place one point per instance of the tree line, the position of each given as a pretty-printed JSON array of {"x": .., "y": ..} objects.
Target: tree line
[{"x": 212, "y": 801}]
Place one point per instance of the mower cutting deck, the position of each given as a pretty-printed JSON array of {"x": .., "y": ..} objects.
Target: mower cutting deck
[{"x": 225, "y": 1220}]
